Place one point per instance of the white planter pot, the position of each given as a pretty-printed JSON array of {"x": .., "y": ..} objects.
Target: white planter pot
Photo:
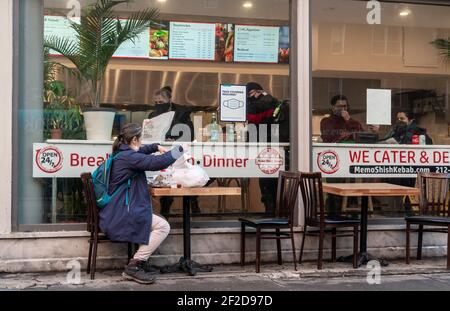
[{"x": 99, "y": 123}]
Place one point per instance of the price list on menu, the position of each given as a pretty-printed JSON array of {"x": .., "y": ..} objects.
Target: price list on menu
[
  {"x": 192, "y": 41},
  {"x": 256, "y": 44}
]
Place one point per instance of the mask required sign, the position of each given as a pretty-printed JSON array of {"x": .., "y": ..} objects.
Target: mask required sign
[{"x": 233, "y": 103}]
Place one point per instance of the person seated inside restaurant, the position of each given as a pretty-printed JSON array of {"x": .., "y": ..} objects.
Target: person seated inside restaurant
[
  {"x": 163, "y": 104},
  {"x": 405, "y": 129},
  {"x": 339, "y": 127},
  {"x": 402, "y": 133}
]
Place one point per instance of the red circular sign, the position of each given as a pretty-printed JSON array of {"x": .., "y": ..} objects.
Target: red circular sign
[
  {"x": 49, "y": 160},
  {"x": 328, "y": 162},
  {"x": 269, "y": 161}
]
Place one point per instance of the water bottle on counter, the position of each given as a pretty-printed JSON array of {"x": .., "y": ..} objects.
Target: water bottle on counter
[
  {"x": 230, "y": 133},
  {"x": 422, "y": 140},
  {"x": 214, "y": 129}
]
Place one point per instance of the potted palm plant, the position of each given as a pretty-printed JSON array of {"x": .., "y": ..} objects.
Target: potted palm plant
[
  {"x": 99, "y": 34},
  {"x": 444, "y": 46}
]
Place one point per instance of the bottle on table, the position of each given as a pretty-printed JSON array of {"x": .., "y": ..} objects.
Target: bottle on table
[{"x": 214, "y": 129}]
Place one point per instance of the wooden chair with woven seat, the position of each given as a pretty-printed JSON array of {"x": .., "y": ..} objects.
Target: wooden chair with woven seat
[
  {"x": 315, "y": 217},
  {"x": 287, "y": 194},
  {"x": 93, "y": 226},
  {"x": 434, "y": 211}
]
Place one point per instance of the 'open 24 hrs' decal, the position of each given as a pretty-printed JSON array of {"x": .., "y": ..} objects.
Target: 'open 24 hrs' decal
[
  {"x": 49, "y": 160},
  {"x": 328, "y": 162}
]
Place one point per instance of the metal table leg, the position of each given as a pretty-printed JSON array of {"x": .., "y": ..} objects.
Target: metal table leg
[
  {"x": 364, "y": 256},
  {"x": 185, "y": 263}
]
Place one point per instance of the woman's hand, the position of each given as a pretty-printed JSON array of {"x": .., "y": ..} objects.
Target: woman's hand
[{"x": 162, "y": 150}]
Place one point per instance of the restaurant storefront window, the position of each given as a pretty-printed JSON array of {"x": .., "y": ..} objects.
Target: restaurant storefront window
[
  {"x": 194, "y": 52},
  {"x": 380, "y": 97}
]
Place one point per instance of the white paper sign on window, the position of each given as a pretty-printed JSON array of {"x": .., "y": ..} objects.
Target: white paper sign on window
[{"x": 379, "y": 103}]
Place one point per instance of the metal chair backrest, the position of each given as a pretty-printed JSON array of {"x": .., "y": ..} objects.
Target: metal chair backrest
[
  {"x": 287, "y": 194},
  {"x": 312, "y": 196},
  {"x": 92, "y": 211},
  {"x": 434, "y": 190}
]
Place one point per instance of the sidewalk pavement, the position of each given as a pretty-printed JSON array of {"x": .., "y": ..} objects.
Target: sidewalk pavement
[{"x": 420, "y": 275}]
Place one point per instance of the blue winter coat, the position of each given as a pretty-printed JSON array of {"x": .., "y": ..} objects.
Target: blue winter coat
[{"x": 132, "y": 223}]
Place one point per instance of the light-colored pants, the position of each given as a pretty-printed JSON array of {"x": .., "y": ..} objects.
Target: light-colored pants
[{"x": 160, "y": 231}]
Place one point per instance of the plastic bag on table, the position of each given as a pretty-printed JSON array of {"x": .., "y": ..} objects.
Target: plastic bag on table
[{"x": 187, "y": 175}]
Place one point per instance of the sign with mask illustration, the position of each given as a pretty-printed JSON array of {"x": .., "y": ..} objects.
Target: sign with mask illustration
[{"x": 233, "y": 103}]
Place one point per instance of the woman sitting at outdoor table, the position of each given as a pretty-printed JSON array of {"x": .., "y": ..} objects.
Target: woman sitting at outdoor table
[{"x": 129, "y": 217}]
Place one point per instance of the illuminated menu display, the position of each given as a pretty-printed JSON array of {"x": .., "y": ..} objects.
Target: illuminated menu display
[
  {"x": 58, "y": 26},
  {"x": 256, "y": 44},
  {"x": 192, "y": 41},
  {"x": 137, "y": 48}
]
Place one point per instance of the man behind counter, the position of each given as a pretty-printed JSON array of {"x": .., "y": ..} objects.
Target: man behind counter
[
  {"x": 339, "y": 127},
  {"x": 163, "y": 104}
]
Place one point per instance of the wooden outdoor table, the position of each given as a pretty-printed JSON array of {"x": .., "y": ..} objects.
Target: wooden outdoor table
[
  {"x": 364, "y": 190},
  {"x": 185, "y": 263}
]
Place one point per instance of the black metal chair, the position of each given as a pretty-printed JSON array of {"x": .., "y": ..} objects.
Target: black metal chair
[
  {"x": 93, "y": 226},
  {"x": 287, "y": 194},
  {"x": 434, "y": 211},
  {"x": 315, "y": 216}
]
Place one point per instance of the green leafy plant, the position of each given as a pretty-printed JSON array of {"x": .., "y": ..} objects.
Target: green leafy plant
[
  {"x": 60, "y": 109},
  {"x": 99, "y": 35},
  {"x": 444, "y": 46}
]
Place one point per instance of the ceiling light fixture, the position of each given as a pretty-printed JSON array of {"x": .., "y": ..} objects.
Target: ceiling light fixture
[
  {"x": 404, "y": 13},
  {"x": 247, "y": 5}
]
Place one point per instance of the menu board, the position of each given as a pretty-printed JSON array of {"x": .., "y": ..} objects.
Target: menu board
[
  {"x": 58, "y": 26},
  {"x": 218, "y": 42},
  {"x": 256, "y": 44},
  {"x": 137, "y": 48},
  {"x": 192, "y": 41}
]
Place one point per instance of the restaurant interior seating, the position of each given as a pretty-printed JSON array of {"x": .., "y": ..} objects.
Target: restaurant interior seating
[
  {"x": 433, "y": 213},
  {"x": 93, "y": 226},
  {"x": 320, "y": 223},
  {"x": 270, "y": 228}
]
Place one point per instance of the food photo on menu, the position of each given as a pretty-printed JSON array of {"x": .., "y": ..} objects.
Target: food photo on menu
[
  {"x": 283, "y": 56},
  {"x": 224, "y": 43},
  {"x": 159, "y": 41}
]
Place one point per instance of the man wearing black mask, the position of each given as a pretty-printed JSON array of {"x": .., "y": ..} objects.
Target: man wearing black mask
[{"x": 164, "y": 104}]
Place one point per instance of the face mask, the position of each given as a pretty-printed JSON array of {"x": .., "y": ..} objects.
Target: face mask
[
  {"x": 401, "y": 126},
  {"x": 161, "y": 108}
]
